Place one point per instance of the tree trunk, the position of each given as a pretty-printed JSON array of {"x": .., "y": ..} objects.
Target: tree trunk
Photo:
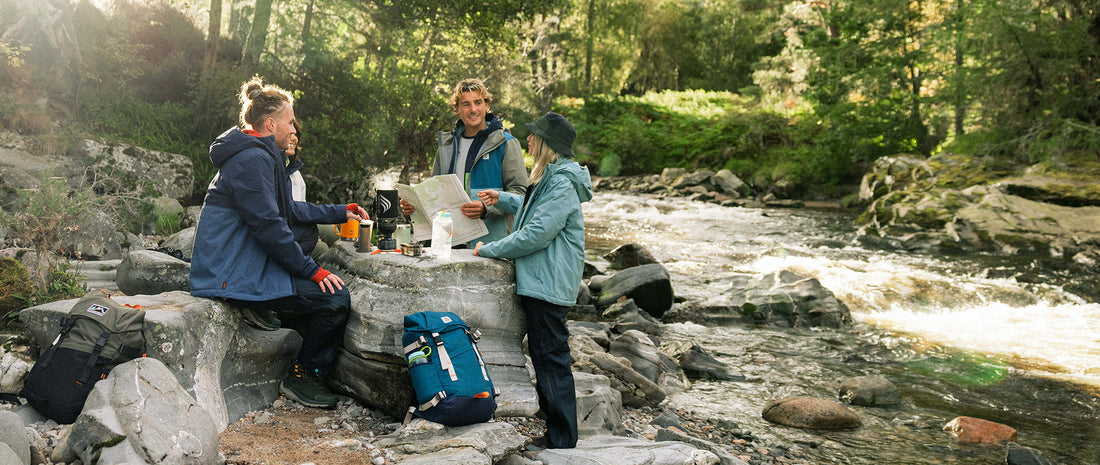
[
  {"x": 213, "y": 36},
  {"x": 306, "y": 26},
  {"x": 588, "y": 48},
  {"x": 257, "y": 34}
]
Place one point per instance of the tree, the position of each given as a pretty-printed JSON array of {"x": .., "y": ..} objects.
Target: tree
[{"x": 257, "y": 33}]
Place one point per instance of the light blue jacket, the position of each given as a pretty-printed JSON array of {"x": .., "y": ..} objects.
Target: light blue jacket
[{"x": 547, "y": 242}]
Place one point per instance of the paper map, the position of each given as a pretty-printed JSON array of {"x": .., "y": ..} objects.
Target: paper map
[{"x": 440, "y": 193}]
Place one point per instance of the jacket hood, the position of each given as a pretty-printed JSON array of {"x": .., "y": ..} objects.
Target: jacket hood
[
  {"x": 575, "y": 173},
  {"x": 234, "y": 141},
  {"x": 490, "y": 119}
]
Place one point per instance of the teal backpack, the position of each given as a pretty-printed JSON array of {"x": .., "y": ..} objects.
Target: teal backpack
[{"x": 448, "y": 373}]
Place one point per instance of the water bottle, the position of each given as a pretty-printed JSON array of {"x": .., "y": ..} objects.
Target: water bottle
[{"x": 441, "y": 235}]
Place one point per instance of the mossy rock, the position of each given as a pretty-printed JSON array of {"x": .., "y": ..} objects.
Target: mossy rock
[
  {"x": 14, "y": 280},
  {"x": 1022, "y": 242}
]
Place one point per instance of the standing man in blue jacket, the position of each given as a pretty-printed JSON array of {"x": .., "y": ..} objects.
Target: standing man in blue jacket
[
  {"x": 483, "y": 155},
  {"x": 245, "y": 251}
]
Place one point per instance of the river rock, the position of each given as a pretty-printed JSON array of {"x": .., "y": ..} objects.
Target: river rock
[
  {"x": 627, "y": 451},
  {"x": 811, "y": 412},
  {"x": 970, "y": 430},
  {"x": 370, "y": 365},
  {"x": 148, "y": 272},
  {"x": 127, "y": 168},
  {"x": 140, "y": 414},
  {"x": 228, "y": 367},
  {"x": 628, "y": 255},
  {"x": 599, "y": 407},
  {"x": 600, "y": 333},
  {"x": 694, "y": 178},
  {"x": 14, "y": 436},
  {"x": 625, "y": 316},
  {"x": 724, "y": 457},
  {"x": 670, "y": 175},
  {"x": 493, "y": 440},
  {"x": 697, "y": 363},
  {"x": 645, "y": 358},
  {"x": 730, "y": 184},
  {"x": 869, "y": 391},
  {"x": 636, "y": 390},
  {"x": 785, "y": 299},
  {"x": 1020, "y": 455},
  {"x": 649, "y": 286}
]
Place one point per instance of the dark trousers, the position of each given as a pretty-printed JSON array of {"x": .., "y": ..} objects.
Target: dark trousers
[
  {"x": 548, "y": 344},
  {"x": 323, "y": 314}
]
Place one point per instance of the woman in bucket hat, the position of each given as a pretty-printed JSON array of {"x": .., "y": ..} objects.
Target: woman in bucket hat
[{"x": 547, "y": 246}]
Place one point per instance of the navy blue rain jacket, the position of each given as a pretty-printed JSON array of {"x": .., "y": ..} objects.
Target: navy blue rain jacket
[{"x": 244, "y": 248}]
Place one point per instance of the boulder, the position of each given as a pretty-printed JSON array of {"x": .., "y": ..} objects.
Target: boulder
[
  {"x": 1020, "y": 455},
  {"x": 96, "y": 239},
  {"x": 9, "y": 457},
  {"x": 730, "y": 184},
  {"x": 228, "y": 367},
  {"x": 140, "y": 414},
  {"x": 810, "y": 412},
  {"x": 636, "y": 390},
  {"x": 493, "y": 440},
  {"x": 149, "y": 273},
  {"x": 970, "y": 430},
  {"x": 628, "y": 255},
  {"x": 695, "y": 178},
  {"x": 724, "y": 457},
  {"x": 599, "y": 407},
  {"x": 599, "y": 332},
  {"x": 627, "y": 451},
  {"x": 385, "y": 287},
  {"x": 16, "y": 360},
  {"x": 649, "y": 286},
  {"x": 670, "y": 175},
  {"x": 14, "y": 436},
  {"x": 127, "y": 168},
  {"x": 869, "y": 391},
  {"x": 183, "y": 241},
  {"x": 697, "y": 363},
  {"x": 625, "y": 316},
  {"x": 785, "y": 299},
  {"x": 645, "y": 358}
]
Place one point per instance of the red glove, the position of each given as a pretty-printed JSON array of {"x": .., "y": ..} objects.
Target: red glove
[
  {"x": 353, "y": 207},
  {"x": 320, "y": 275}
]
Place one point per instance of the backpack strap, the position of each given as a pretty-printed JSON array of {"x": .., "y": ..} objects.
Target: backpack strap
[
  {"x": 444, "y": 359},
  {"x": 435, "y": 400},
  {"x": 94, "y": 356},
  {"x": 474, "y": 337},
  {"x": 66, "y": 325},
  {"x": 129, "y": 352},
  {"x": 412, "y": 347}
]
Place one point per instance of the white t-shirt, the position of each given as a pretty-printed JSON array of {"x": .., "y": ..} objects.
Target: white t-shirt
[
  {"x": 464, "y": 144},
  {"x": 297, "y": 186}
]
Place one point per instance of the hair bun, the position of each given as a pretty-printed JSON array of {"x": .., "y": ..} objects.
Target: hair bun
[{"x": 254, "y": 91}]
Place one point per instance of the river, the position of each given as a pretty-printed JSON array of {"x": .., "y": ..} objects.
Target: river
[{"x": 957, "y": 335}]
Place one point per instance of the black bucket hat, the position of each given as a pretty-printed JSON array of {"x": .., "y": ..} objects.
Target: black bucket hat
[{"x": 557, "y": 131}]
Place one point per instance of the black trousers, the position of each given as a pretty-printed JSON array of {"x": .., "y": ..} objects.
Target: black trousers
[
  {"x": 324, "y": 316},
  {"x": 548, "y": 344}
]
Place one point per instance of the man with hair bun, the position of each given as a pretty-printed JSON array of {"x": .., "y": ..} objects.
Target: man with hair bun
[
  {"x": 483, "y": 154},
  {"x": 245, "y": 251}
]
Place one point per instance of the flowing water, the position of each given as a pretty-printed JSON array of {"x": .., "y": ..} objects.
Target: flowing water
[{"x": 959, "y": 336}]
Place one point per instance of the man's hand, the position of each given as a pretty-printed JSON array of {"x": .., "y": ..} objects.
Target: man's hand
[
  {"x": 406, "y": 208},
  {"x": 329, "y": 282},
  {"x": 355, "y": 212},
  {"x": 474, "y": 210},
  {"x": 477, "y": 247}
]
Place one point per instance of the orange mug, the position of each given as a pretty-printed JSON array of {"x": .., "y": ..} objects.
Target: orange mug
[{"x": 348, "y": 231}]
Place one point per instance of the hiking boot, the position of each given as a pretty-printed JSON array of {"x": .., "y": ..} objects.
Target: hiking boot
[
  {"x": 306, "y": 388},
  {"x": 261, "y": 318}
]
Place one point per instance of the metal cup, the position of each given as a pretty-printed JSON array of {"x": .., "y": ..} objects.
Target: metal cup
[
  {"x": 348, "y": 231},
  {"x": 365, "y": 229}
]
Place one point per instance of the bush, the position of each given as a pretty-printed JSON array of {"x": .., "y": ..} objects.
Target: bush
[
  {"x": 610, "y": 165},
  {"x": 15, "y": 283},
  {"x": 45, "y": 215}
]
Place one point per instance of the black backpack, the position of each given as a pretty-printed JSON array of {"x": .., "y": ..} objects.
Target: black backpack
[{"x": 97, "y": 335}]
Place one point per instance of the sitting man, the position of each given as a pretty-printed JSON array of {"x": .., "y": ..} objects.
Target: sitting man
[{"x": 245, "y": 251}]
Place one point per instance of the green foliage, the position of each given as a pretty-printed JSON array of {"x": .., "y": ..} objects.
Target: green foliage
[
  {"x": 14, "y": 282},
  {"x": 62, "y": 282},
  {"x": 45, "y": 215},
  {"x": 610, "y": 165}
]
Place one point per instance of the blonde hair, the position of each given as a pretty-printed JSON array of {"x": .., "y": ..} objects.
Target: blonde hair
[
  {"x": 260, "y": 101},
  {"x": 541, "y": 155},
  {"x": 471, "y": 85}
]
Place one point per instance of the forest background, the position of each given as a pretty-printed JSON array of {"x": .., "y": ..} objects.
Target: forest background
[{"x": 796, "y": 97}]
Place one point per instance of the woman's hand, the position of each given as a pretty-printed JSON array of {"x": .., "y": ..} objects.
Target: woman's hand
[
  {"x": 357, "y": 213},
  {"x": 406, "y": 208},
  {"x": 477, "y": 247},
  {"x": 489, "y": 197}
]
